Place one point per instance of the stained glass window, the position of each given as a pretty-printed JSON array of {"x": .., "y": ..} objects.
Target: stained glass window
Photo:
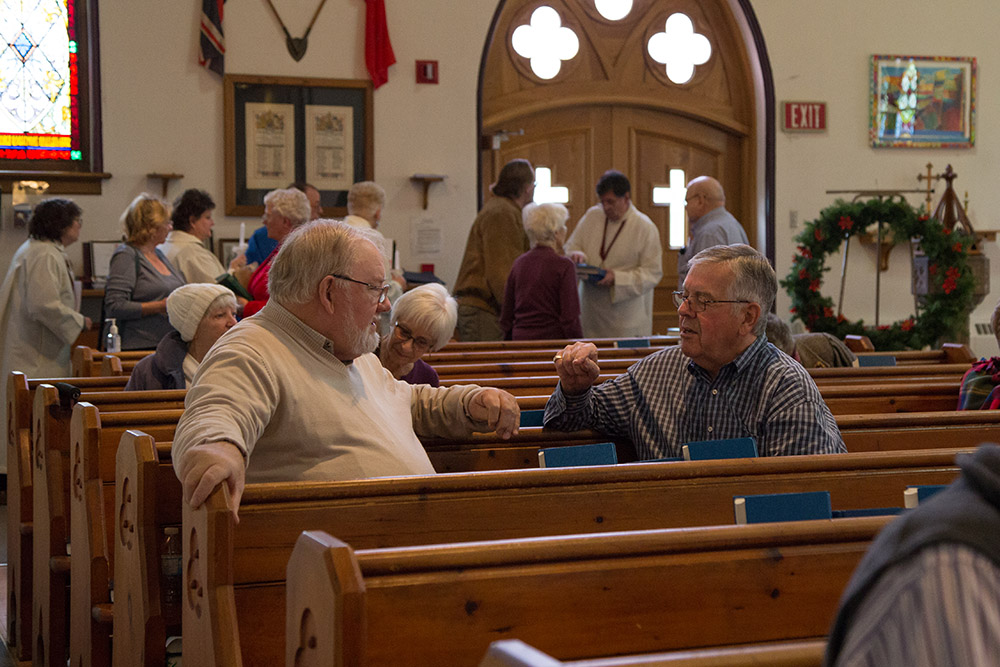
[{"x": 39, "y": 85}]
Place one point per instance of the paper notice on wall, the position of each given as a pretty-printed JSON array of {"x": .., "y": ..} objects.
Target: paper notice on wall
[
  {"x": 425, "y": 237},
  {"x": 270, "y": 145},
  {"x": 329, "y": 147}
]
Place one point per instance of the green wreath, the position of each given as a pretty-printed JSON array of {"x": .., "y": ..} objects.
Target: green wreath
[{"x": 941, "y": 314}]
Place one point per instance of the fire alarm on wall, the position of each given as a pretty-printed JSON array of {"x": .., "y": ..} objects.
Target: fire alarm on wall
[{"x": 427, "y": 71}]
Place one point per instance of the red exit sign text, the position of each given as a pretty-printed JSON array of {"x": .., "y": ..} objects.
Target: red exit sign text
[{"x": 804, "y": 116}]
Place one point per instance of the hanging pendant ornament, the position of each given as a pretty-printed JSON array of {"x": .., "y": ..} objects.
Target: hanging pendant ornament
[{"x": 297, "y": 45}]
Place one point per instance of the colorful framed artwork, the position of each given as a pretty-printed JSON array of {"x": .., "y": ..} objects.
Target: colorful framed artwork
[
  {"x": 922, "y": 102},
  {"x": 280, "y": 130}
]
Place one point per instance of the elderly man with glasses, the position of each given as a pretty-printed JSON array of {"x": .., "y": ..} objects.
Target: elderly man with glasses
[
  {"x": 723, "y": 381},
  {"x": 709, "y": 221},
  {"x": 295, "y": 393}
]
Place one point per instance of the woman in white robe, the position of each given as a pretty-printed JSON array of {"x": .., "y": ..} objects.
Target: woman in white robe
[{"x": 38, "y": 310}]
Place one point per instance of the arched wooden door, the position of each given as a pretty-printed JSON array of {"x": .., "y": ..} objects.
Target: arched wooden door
[{"x": 612, "y": 107}]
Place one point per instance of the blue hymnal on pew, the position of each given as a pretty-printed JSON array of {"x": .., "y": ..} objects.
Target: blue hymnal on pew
[
  {"x": 769, "y": 507},
  {"x": 733, "y": 448},
  {"x": 532, "y": 417},
  {"x": 918, "y": 493},
  {"x": 601, "y": 453},
  {"x": 876, "y": 360},
  {"x": 632, "y": 342}
]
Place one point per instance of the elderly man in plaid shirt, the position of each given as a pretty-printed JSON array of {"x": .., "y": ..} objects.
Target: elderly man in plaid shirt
[{"x": 723, "y": 381}]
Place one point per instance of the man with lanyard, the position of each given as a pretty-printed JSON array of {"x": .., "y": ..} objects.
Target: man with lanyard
[{"x": 616, "y": 237}]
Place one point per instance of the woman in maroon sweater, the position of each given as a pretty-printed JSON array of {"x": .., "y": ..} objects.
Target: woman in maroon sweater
[{"x": 541, "y": 300}]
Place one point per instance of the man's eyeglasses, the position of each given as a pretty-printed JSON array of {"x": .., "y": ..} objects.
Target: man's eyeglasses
[
  {"x": 420, "y": 344},
  {"x": 698, "y": 305},
  {"x": 381, "y": 289}
]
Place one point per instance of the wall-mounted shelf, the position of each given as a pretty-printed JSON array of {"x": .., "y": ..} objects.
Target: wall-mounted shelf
[
  {"x": 426, "y": 180},
  {"x": 165, "y": 180}
]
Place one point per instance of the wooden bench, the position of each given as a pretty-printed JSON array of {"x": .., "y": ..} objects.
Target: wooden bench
[
  {"x": 572, "y": 596},
  {"x": 515, "y": 653},
  {"x": 95, "y": 438},
  {"x": 86, "y": 361},
  {"x": 524, "y": 503},
  {"x": 20, "y": 498},
  {"x": 541, "y": 354},
  {"x": 556, "y": 344},
  {"x": 56, "y": 465}
]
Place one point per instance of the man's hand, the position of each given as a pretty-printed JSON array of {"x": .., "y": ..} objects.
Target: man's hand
[
  {"x": 609, "y": 278},
  {"x": 577, "y": 257},
  {"x": 577, "y": 367},
  {"x": 498, "y": 409},
  {"x": 203, "y": 467}
]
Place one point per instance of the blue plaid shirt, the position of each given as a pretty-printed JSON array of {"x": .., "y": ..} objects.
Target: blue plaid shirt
[{"x": 667, "y": 400}]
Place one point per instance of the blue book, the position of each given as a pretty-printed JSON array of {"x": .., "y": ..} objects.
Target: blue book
[
  {"x": 876, "y": 360},
  {"x": 532, "y": 417},
  {"x": 918, "y": 493},
  {"x": 733, "y": 448},
  {"x": 870, "y": 511},
  {"x": 632, "y": 342},
  {"x": 598, "y": 454},
  {"x": 770, "y": 507},
  {"x": 590, "y": 273}
]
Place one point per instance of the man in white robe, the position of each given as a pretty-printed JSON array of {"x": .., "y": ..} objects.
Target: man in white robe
[{"x": 614, "y": 235}]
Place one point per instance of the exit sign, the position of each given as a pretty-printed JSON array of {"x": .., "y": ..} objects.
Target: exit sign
[{"x": 804, "y": 116}]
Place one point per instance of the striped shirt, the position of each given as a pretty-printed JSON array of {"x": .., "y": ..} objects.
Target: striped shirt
[
  {"x": 666, "y": 400},
  {"x": 940, "y": 607}
]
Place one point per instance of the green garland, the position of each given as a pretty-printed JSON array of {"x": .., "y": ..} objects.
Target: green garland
[{"x": 942, "y": 313}]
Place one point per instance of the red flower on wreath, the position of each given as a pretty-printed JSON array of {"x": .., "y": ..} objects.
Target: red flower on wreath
[
  {"x": 841, "y": 318},
  {"x": 806, "y": 252},
  {"x": 814, "y": 285},
  {"x": 828, "y": 312},
  {"x": 803, "y": 274},
  {"x": 932, "y": 269},
  {"x": 924, "y": 218},
  {"x": 949, "y": 285},
  {"x": 818, "y": 233},
  {"x": 845, "y": 223},
  {"x": 883, "y": 327},
  {"x": 947, "y": 232},
  {"x": 794, "y": 309},
  {"x": 907, "y": 324},
  {"x": 953, "y": 272},
  {"x": 957, "y": 247}
]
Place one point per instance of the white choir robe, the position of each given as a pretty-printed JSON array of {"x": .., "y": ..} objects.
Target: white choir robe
[{"x": 626, "y": 308}]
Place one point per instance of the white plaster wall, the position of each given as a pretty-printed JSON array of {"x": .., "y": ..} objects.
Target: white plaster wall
[{"x": 164, "y": 113}]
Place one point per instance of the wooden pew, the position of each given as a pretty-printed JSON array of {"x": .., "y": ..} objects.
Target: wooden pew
[
  {"x": 517, "y": 504},
  {"x": 53, "y": 466},
  {"x": 572, "y": 596},
  {"x": 20, "y": 501},
  {"x": 95, "y": 435},
  {"x": 553, "y": 344},
  {"x": 807, "y": 653},
  {"x": 540, "y": 354},
  {"x": 86, "y": 361}
]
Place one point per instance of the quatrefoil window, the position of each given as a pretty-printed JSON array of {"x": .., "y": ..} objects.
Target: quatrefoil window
[
  {"x": 545, "y": 42},
  {"x": 680, "y": 48}
]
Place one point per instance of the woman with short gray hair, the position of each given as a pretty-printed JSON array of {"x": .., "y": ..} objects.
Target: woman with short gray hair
[
  {"x": 423, "y": 320},
  {"x": 541, "y": 301}
]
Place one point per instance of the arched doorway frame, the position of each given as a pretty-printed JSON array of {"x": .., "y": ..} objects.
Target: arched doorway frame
[{"x": 764, "y": 101}]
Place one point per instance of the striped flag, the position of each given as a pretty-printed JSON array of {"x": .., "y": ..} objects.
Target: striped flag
[{"x": 213, "y": 44}]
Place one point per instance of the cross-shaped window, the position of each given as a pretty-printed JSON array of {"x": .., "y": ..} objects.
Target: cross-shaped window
[
  {"x": 545, "y": 192},
  {"x": 680, "y": 48},
  {"x": 674, "y": 197},
  {"x": 545, "y": 42}
]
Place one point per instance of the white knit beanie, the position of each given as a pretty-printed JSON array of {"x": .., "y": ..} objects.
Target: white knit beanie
[{"x": 187, "y": 304}]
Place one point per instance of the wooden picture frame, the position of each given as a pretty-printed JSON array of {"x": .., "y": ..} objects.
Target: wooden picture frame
[
  {"x": 224, "y": 249},
  {"x": 922, "y": 102},
  {"x": 296, "y": 129}
]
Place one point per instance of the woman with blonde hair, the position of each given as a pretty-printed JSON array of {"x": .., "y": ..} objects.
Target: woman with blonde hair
[
  {"x": 140, "y": 277},
  {"x": 541, "y": 301}
]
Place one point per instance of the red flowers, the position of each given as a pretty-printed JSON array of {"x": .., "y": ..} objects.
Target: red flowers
[
  {"x": 957, "y": 247},
  {"x": 907, "y": 325},
  {"x": 814, "y": 285},
  {"x": 803, "y": 274},
  {"x": 845, "y": 223},
  {"x": 950, "y": 283},
  {"x": 818, "y": 233},
  {"x": 805, "y": 252},
  {"x": 827, "y": 311},
  {"x": 932, "y": 269}
]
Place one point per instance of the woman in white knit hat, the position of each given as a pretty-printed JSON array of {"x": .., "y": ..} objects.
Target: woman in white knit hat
[{"x": 199, "y": 313}]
